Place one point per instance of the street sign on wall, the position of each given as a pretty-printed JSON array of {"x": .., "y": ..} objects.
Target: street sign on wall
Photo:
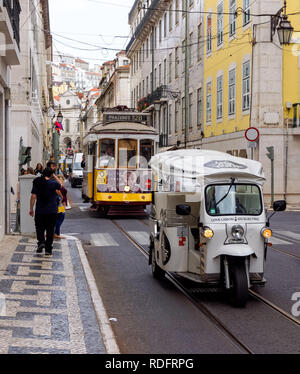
[{"x": 252, "y": 134}]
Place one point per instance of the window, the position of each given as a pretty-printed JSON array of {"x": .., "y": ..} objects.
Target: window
[
  {"x": 246, "y": 14},
  {"x": 220, "y": 16},
  {"x": 170, "y": 18},
  {"x": 246, "y": 86},
  {"x": 176, "y": 13},
  {"x": 159, "y": 75},
  {"x": 209, "y": 34},
  {"x": 183, "y": 55},
  {"x": 232, "y": 17},
  {"x": 176, "y": 62},
  {"x": 177, "y": 106},
  {"x": 170, "y": 118},
  {"x": 170, "y": 67},
  {"x": 231, "y": 92},
  {"x": 199, "y": 107},
  {"x": 190, "y": 49},
  {"x": 183, "y": 113},
  {"x": 147, "y": 85},
  {"x": 67, "y": 125},
  {"x": 68, "y": 102},
  {"x": 208, "y": 102},
  {"x": 146, "y": 152},
  {"x": 220, "y": 97},
  {"x": 190, "y": 110},
  {"x": 241, "y": 199},
  {"x": 183, "y": 8},
  {"x": 165, "y": 25},
  {"x": 127, "y": 153},
  {"x": 165, "y": 71},
  {"x": 160, "y": 30},
  {"x": 107, "y": 153},
  {"x": 155, "y": 75},
  {"x": 199, "y": 43}
]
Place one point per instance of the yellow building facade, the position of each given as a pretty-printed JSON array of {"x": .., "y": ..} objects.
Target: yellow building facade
[
  {"x": 227, "y": 67},
  {"x": 251, "y": 80}
]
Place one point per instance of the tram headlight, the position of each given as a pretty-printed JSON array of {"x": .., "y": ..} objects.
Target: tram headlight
[
  {"x": 237, "y": 232},
  {"x": 266, "y": 233},
  {"x": 208, "y": 233},
  {"x": 127, "y": 189}
]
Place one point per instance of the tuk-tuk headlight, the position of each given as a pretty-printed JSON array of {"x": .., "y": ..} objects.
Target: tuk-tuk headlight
[
  {"x": 266, "y": 233},
  {"x": 237, "y": 232},
  {"x": 208, "y": 233},
  {"x": 127, "y": 189}
]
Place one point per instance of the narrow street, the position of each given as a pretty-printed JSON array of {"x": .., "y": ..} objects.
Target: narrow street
[{"x": 149, "y": 316}]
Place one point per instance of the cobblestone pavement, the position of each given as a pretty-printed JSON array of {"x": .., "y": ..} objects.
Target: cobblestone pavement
[{"x": 45, "y": 303}]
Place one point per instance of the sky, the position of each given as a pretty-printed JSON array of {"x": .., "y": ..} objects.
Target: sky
[{"x": 95, "y": 22}]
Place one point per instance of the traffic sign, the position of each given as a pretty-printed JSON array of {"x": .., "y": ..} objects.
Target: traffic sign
[{"x": 252, "y": 134}]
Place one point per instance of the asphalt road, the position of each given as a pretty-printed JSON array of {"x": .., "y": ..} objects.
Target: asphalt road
[{"x": 154, "y": 317}]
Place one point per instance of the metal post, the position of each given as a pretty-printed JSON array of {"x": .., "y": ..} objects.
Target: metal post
[
  {"x": 56, "y": 147},
  {"x": 272, "y": 182},
  {"x": 186, "y": 75}
]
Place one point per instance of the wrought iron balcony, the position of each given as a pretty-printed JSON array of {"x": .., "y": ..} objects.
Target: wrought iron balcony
[
  {"x": 140, "y": 27},
  {"x": 158, "y": 94},
  {"x": 14, "y": 9}
]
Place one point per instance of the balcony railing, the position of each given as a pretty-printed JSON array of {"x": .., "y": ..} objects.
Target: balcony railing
[
  {"x": 14, "y": 9},
  {"x": 140, "y": 27},
  {"x": 150, "y": 99}
]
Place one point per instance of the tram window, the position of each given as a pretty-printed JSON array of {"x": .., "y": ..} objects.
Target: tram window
[
  {"x": 147, "y": 150},
  {"x": 128, "y": 153},
  {"x": 107, "y": 153}
]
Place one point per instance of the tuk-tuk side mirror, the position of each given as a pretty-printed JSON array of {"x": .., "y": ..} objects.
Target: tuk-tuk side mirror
[
  {"x": 279, "y": 206},
  {"x": 183, "y": 210}
]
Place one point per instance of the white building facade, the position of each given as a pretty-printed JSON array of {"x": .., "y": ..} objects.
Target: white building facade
[
  {"x": 31, "y": 88},
  {"x": 9, "y": 56}
]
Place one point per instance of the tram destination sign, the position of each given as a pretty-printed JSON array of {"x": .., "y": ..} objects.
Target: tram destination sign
[{"x": 124, "y": 117}]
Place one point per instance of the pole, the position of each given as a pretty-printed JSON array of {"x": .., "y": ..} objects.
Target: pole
[
  {"x": 272, "y": 182},
  {"x": 186, "y": 75}
]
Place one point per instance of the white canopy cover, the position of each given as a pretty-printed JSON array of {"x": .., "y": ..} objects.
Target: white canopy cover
[{"x": 205, "y": 166}]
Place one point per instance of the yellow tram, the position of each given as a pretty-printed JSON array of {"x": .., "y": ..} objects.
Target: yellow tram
[{"x": 116, "y": 176}]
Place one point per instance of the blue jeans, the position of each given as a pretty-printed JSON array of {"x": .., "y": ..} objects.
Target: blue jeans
[{"x": 59, "y": 221}]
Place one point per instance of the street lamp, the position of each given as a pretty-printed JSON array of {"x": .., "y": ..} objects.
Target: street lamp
[
  {"x": 283, "y": 26},
  {"x": 60, "y": 117}
]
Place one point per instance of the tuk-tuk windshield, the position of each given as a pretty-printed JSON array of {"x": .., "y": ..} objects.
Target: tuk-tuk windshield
[{"x": 242, "y": 199}]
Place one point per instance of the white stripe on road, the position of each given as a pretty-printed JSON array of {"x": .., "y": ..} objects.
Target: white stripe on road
[
  {"x": 142, "y": 237},
  {"x": 288, "y": 234},
  {"x": 103, "y": 240},
  {"x": 277, "y": 241},
  {"x": 84, "y": 208}
]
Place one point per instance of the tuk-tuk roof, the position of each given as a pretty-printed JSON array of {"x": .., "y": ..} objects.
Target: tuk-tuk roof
[{"x": 206, "y": 164}]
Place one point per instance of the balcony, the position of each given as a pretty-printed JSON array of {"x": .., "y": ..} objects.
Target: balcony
[
  {"x": 157, "y": 95},
  {"x": 14, "y": 9},
  {"x": 142, "y": 24},
  {"x": 10, "y": 30}
]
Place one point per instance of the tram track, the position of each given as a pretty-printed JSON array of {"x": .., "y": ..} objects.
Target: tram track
[
  {"x": 199, "y": 305},
  {"x": 209, "y": 315}
]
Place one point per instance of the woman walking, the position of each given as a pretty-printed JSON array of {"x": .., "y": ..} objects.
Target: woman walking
[{"x": 61, "y": 209}]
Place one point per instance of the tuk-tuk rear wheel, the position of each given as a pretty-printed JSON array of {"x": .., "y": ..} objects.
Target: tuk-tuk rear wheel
[
  {"x": 239, "y": 291},
  {"x": 157, "y": 272}
]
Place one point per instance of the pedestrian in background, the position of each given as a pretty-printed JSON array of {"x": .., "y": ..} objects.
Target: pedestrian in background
[
  {"x": 39, "y": 169},
  {"x": 30, "y": 171},
  {"x": 61, "y": 209},
  {"x": 52, "y": 166},
  {"x": 44, "y": 196}
]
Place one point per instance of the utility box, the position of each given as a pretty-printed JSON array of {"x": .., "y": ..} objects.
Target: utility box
[{"x": 27, "y": 225}]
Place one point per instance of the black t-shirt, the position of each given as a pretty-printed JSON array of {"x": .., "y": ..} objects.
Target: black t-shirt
[{"x": 46, "y": 196}]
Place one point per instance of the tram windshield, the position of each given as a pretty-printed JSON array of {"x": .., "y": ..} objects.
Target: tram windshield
[
  {"x": 146, "y": 152},
  {"x": 237, "y": 199},
  {"x": 107, "y": 153},
  {"x": 127, "y": 153}
]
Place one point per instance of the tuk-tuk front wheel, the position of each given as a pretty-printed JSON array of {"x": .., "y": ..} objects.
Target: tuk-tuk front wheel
[
  {"x": 157, "y": 272},
  {"x": 239, "y": 291}
]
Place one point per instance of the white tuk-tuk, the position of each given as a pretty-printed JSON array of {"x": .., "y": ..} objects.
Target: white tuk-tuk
[{"x": 208, "y": 221}]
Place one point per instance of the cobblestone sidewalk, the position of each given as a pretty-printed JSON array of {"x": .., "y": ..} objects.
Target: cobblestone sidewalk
[{"x": 45, "y": 303}]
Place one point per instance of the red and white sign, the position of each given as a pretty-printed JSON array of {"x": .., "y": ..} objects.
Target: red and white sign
[{"x": 252, "y": 134}]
